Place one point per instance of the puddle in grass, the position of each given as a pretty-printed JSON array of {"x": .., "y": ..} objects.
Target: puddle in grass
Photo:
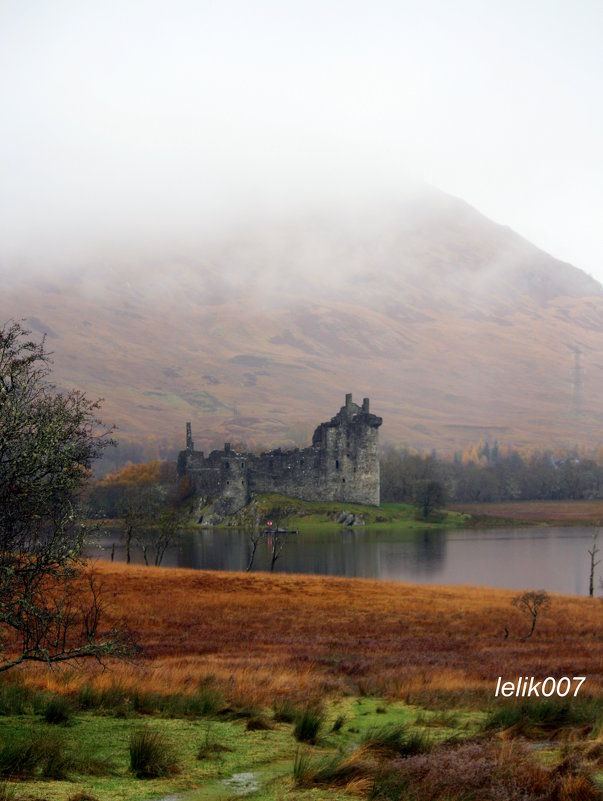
[
  {"x": 242, "y": 783},
  {"x": 239, "y": 784}
]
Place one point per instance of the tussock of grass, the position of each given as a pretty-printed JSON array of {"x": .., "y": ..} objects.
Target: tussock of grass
[
  {"x": 259, "y": 723},
  {"x": 332, "y": 771},
  {"x": 397, "y": 740},
  {"x": 58, "y": 710},
  {"x": 308, "y": 723},
  {"x": 338, "y": 723},
  {"x": 284, "y": 711},
  {"x": 19, "y": 757},
  {"x": 151, "y": 756}
]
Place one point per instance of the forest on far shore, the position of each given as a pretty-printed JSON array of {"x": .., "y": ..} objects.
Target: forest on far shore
[{"x": 489, "y": 473}]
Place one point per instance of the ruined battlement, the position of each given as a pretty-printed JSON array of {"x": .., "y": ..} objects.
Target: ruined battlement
[{"x": 341, "y": 464}]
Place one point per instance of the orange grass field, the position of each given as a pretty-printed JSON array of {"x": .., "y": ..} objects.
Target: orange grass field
[{"x": 264, "y": 636}]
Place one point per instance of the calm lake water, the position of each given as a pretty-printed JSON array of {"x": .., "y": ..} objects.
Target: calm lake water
[{"x": 554, "y": 559}]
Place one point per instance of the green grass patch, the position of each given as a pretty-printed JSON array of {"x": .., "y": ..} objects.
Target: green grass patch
[{"x": 325, "y": 514}]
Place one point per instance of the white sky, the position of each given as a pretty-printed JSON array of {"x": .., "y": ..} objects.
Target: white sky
[{"x": 124, "y": 122}]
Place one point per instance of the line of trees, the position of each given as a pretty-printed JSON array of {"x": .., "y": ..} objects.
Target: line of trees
[{"x": 493, "y": 477}]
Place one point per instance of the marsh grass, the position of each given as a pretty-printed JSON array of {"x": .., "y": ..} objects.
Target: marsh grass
[
  {"x": 15, "y": 698},
  {"x": 122, "y": 701},
  {"x": 551, "y": 717},
  {"x": 41, "y": 753}
]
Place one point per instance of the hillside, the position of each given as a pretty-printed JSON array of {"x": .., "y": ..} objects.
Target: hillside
[{"x": 456, "y": 327}]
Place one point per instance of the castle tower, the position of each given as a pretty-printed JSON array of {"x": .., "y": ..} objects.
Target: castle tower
[{"x": 348, "y": 455}]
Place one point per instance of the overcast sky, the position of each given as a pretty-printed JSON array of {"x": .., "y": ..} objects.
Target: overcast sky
[{"x": 129, "y": 122}]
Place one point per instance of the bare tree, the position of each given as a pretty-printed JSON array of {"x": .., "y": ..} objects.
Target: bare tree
[
  {"x": 532, "y": 604},
  {"x": 250, "y": 523},
  {"x": 157, "y": 535},
  {"x": 276, "y": 527},
  {"x": 593, "y": 563},
  {"x": 138, "y": 506},
  {"x": 254, "y": 538},
  {"x": 277, "y": 544}
]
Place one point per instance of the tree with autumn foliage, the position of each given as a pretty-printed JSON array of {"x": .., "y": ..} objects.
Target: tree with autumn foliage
[{"x": 148, "y": 499}]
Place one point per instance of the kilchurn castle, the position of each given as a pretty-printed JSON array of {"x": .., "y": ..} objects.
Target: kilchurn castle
[{"x": 341, "y": 464}]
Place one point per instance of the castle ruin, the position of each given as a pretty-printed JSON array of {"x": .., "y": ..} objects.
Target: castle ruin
[{"x": 341, "y": 464}]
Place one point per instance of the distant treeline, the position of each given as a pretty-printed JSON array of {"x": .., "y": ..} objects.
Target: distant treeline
[{"x": 491, "y": 476}]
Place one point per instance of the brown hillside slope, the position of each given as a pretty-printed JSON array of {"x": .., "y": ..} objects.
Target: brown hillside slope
[{"x": 455, "y": 327}]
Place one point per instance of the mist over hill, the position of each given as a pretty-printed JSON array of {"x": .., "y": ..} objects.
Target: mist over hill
[{"x": 455, "y": 327}]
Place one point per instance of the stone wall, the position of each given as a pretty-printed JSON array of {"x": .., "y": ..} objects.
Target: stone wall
[{"x": 342, "y": 464}]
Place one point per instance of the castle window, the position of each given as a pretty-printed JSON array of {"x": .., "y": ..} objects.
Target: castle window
[
  {"x": 301, "y": 462},
  {"x": 242, "y": 464},
  {"x": 226, "y": 465},
  {"x": 336, "y": 464}
]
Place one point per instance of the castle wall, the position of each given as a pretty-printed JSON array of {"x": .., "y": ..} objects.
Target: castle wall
[
  {"x": 291, "y": 473},
  {"x": 222, "y": 477},
  {"x": 342, "y": 464}
]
